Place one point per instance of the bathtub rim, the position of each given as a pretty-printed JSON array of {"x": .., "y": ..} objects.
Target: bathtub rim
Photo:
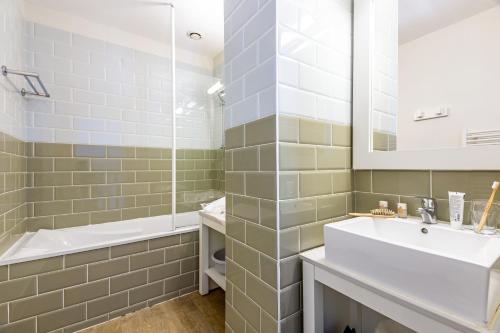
[{"x": 11, "y": 261}]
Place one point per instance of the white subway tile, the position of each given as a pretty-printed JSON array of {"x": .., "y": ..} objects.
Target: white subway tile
[
  {"x": 88, "y": 97},
  {"x": 296, "y": 102},
  {"x": 87, "y": 69},
  {"x": 242, "y": 14},
  {"x": 72, "y": 136},
  {"x": 72, "y": 81},
  {"x": 36, "y": 134},
  {"x": 89, "y": 44},
  {"x": 288, "y": 72},
  {"x": 72, "y": 53},
  {"x": 316, "y": 81},
  {"x": 267, "y": 102},
  {"x": 243, "y": 63},
  {"x": 72, "y": 109},
  {"x": 105, "y": 139},
  {"x": 103, "y": 112},
  {"x": 260, "y": 78},
  {"x": 50, "y": 62},
  {"x": 233, "y": 47},
  {"x": 104, "y": 86},
  {"x": 267, "y": 46},
  {"x": 120, "y": 102},
  {"x": 296, "y": 47},
  {"x": 87, "y": 124},
  {"x": 52, "y": 121},
  {"x": 245, "y": 111},
  {"x": 121, "y": 127},
  {"x": 40, "y": 106},
  {"x": 262, "y": 22}
]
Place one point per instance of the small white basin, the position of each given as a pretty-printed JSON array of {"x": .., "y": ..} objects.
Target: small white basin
[{"x": 455, "y": 271}]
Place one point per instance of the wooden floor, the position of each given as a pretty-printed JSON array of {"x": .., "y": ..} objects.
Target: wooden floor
[{"x": 190, "y": 313}]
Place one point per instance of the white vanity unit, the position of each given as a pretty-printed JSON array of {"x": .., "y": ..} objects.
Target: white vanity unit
[
  {"x": 212, "y": 231},
  {"x": 429, "y": 278}
]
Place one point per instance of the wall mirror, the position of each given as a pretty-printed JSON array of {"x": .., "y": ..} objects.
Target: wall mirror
[{"x": 427, "y": 84}]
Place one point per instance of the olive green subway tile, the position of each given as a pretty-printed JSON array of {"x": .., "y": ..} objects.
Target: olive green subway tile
[
  {"x": 52, "y": 208},
  {"x": 269, "y": 270},
  {"x": 99, "y": 191},
  {"x": 330, "y": 158},
  {"x": 228, "y": 160},
  {"x": 106, "y": 304},
  {"x": 23, "y": 326},
  {"x": 160, "y": 164},
  {"x": 314, "y": 132},
  {"x": 331, "y": 206},
  {"x": 380, "y": 141},
  {"x": 311, "y": 235},
  {"x": 288, "y": 129},
  {"x": 402, "y": 182},
  {"x": 246, "y": 159},
  {"x": 260, "y": 131},
  {"x": 297, "y": 212},
  {"x": 71, "y": 164},
  {"x": 162, "y": 187},
  {"x": 35, "y": 194},
  {"x": 179, "y": 252},
  {"x": 109, "y": 268},
  {"x": 135, "y": 164},
  {"x": 148, "y": 176},
  {"x": 151, "y": 153},
  {"x": 34, "y": 224},
  {"x": 289, "y": 185},
  {"x": 185, "y": 186},
  {"x": 72, "y": 192},
  {"x": 52, "y": 179},
  {"x": 264, "y": 295},
  {"x": 194, "y": 154},
  {"x": 61, "y": 318},
  {"x": 289, "y": 242},
  {"x": 86, "y": 292},
  {"x": 120, "y": 152},
  {"x": 128, "y": 249},
  {"x": 290, "y": 303},
  {"x": 62, "y": 279},
  {"x": 37, "y": 164},
  {"x": 246, "y": 257},
  {"x": 235, "y": 137},
  {"x": 235, "y": 182},
  {"x": 4, "y": 273},
  {"x": 88, "y": 205},
  {"x": 147, "y": 259},
  {"x": 342, "y": 181},
  {"x": 89, "y": 178},
  {"x": 194, "y": 175},
  {"x": 89, "y": 151},
  {"x": 105, "y": 216},
  {"x": 71, "y": 220},
  {"x": 134, "y": 189},
  {"x": 4, "y": 314},
  {"x": 135, "y": 213},
  {"x": 244, "y": 305},
  {"x": 164, "y": 242},
  {"x": 235, "y": 228},
  {"x": 262, "y": 239},
  {"x": 147, "y": 200},
  {"x": 297, "y": 157},
  {"x": 475, "y": 185},
  {"x": 261, "y": 185},
  {"x": 106, "y": 165},
  {"x": 363, "y": 180},
  {"x": 341, "y": 135},
  {"x": 290, "y": 271},
  {"x": 35, "y": 267},
  {"x": 292, "y": 323},
  {"x": 246, "y": 208},
  {"x": 315, "y": 183},
  {"x": 268, "y": 213},
  {"x": 234, "y": 320},
  {"x": 16, "y": 289},
  {"x": 87, "y": 257},
  {"x": 5, "y": 162},
  {"x": 364, "y": 202},
  {"x": 119, "y": 202},
  {"x": 128, "y": 281},
  {"x": 53, "y": 150},
  {"x": 36, "y": 305},
  {"x": 164, "y": 271},
  {"x": 120, "y": 177},
  {"x": 267, "y": 157},
  {"x": 203, "y": 185}
]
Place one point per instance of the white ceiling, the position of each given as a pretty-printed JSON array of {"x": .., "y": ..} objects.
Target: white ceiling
[
  {"x": 151, "y": 19},
  {"x": 420, "y": 17}
]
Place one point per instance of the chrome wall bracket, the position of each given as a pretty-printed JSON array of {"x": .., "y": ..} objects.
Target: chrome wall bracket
[{"x": 28, "y": 76}]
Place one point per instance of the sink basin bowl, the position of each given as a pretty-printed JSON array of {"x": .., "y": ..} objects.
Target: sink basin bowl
[{"x": 455, "y": 271}]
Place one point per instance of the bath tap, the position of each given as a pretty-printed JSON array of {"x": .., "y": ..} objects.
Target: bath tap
[{"x": 428, "y": 211}]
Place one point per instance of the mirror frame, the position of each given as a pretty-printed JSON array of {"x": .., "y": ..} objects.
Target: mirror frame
[{"x": 462, "y": 158}]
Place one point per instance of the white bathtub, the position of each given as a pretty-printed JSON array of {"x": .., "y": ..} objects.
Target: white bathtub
[{"x": 50, "y": 243}]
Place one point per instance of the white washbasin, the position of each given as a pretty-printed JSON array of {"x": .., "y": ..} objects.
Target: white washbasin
[{"x": 457, "y": 272}]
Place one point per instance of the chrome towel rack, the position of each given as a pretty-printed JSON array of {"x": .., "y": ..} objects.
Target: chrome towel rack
[{"x": 28, "y": 77}]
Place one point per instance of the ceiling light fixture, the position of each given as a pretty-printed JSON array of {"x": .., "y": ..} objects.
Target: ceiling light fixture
[{"x": 194, "y": 35}]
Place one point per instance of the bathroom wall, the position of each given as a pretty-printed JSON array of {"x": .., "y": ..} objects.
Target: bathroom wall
[
  {"x": 252, "y": 301},
  {"x": 467, "y": 79},
  {"x": 13, "y": 180},
  {"x": 76, "y": 185},
  {"x": 79, "y": 290},
  {"x": 404, "y": 186}
]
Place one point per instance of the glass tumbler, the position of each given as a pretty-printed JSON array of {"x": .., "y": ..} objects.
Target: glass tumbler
[{"x": 476, "y": 213}]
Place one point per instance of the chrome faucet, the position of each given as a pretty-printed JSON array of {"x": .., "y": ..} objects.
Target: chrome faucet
[{"x": 428, "y": 211}]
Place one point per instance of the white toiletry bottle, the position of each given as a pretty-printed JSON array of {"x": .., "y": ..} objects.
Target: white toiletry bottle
[{"x": 456, "y": 209}]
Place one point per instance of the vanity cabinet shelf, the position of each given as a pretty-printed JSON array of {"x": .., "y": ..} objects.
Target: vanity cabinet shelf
[{"x": 212, "y": 232}]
